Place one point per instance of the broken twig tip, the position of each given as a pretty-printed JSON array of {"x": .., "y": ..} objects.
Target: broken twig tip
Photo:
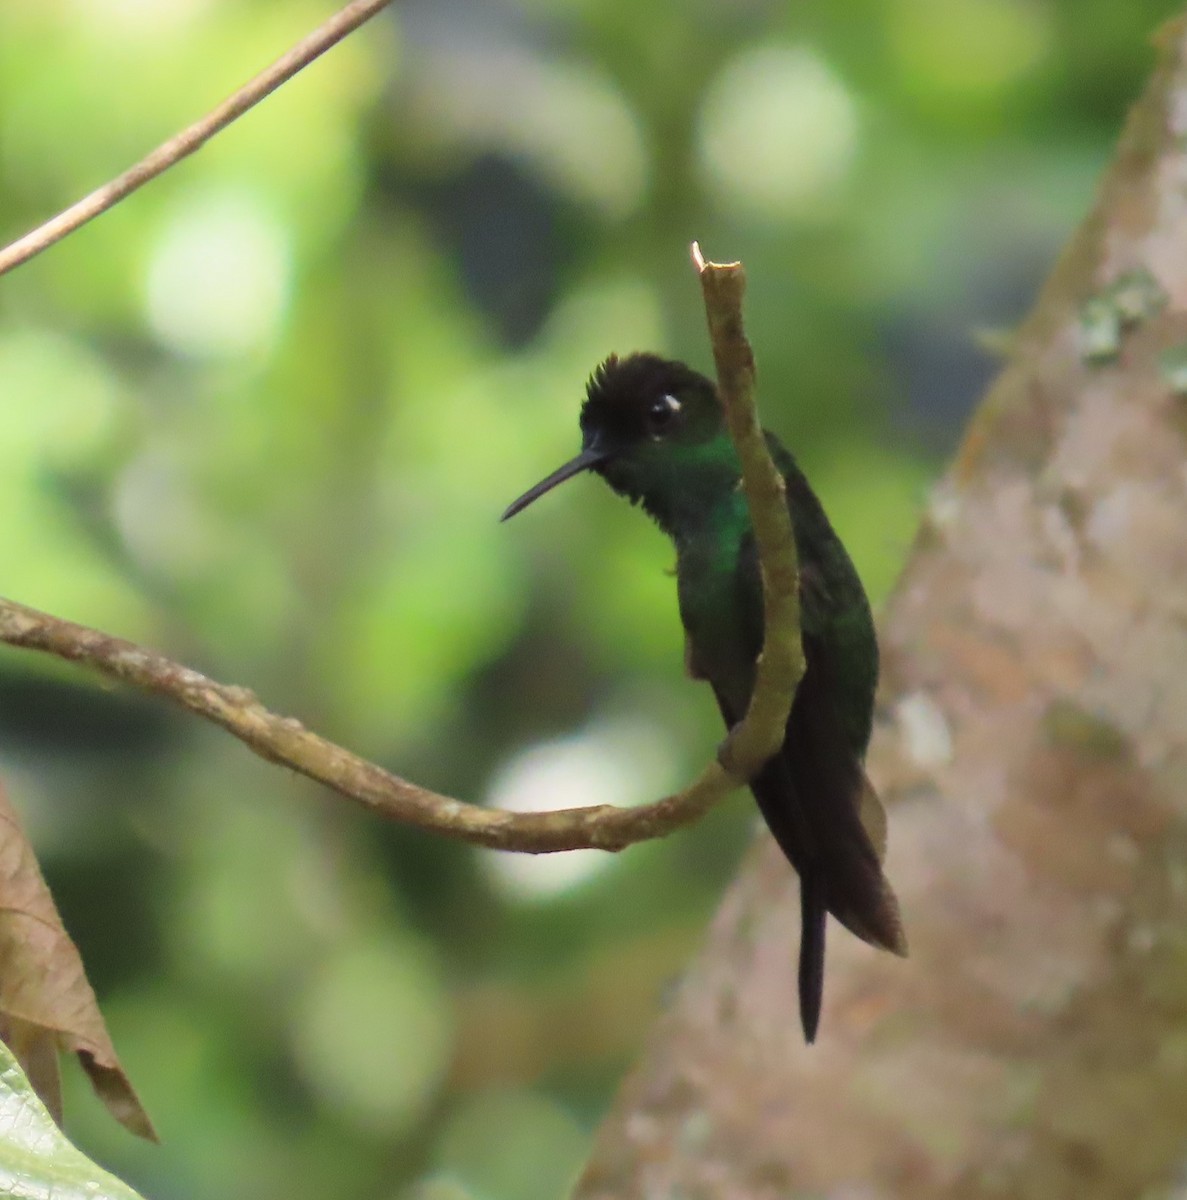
[{"x": 706, "y": 267}]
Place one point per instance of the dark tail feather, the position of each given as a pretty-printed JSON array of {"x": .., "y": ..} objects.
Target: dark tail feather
[
  {"x": 813, "y": 916},
  {"x": 869, "y": 909}
]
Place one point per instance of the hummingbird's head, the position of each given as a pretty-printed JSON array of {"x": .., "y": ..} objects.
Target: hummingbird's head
[{"x": 644, "y": 417}]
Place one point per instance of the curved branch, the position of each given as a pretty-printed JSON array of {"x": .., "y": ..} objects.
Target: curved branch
[
  {"x": 183, "y": 144},
  {"x": 286, "y": 741}
]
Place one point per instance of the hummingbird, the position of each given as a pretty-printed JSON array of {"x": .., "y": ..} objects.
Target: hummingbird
[{"x": 654, "y": 429}]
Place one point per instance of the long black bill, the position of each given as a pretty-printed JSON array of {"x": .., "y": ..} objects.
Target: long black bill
[{"x": 583, "y": 462}]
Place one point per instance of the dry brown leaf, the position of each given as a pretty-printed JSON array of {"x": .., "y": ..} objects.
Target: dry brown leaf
[{"x": 46, "y": 1003}]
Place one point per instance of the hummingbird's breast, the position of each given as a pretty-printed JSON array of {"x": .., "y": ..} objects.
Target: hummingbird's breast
[{"x": 712, "y": 594}]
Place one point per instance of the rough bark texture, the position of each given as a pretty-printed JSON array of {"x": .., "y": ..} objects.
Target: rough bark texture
[{"x": 1033, "y": 751}]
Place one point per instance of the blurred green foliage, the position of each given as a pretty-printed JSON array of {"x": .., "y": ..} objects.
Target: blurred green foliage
[{"x": 265, "y": 414}]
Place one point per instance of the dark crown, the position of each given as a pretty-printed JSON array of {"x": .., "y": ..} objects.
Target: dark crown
[{"x": 620, "y": 389}]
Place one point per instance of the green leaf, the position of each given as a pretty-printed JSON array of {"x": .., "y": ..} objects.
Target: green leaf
[{"x": 36, "y": 1160}]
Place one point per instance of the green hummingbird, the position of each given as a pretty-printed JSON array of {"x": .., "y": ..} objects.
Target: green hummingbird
[{"x": 654, "y": 430}]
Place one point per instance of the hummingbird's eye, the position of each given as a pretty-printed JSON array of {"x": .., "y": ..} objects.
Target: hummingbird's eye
[{"x": 660, "y": 413}]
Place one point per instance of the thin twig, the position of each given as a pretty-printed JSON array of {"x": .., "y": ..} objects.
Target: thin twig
[
  {"x": 781, "y": 665},
  {"x": 285, "y": 741},
  {"x": 188, "y": 140}
]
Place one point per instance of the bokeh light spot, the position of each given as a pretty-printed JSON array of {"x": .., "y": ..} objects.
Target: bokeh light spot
[
  {"x": 570, "y": 121},
  {"x": 219, "y": 276},
  {"x": 373, "y": 1034},
  {"x": 778, "y": 131},
  {"x": 507, "y": 1144},
  {"x": 62, "y": 398},
  {"x": 968, "y": 47},
  {"x": 622, "y": 762},
  {"x": 163, "y": 521},
  {"x": 140, "y": 20}
]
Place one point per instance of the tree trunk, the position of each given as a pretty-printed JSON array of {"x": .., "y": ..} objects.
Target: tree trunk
[{"x": 1032, "y": 749}]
